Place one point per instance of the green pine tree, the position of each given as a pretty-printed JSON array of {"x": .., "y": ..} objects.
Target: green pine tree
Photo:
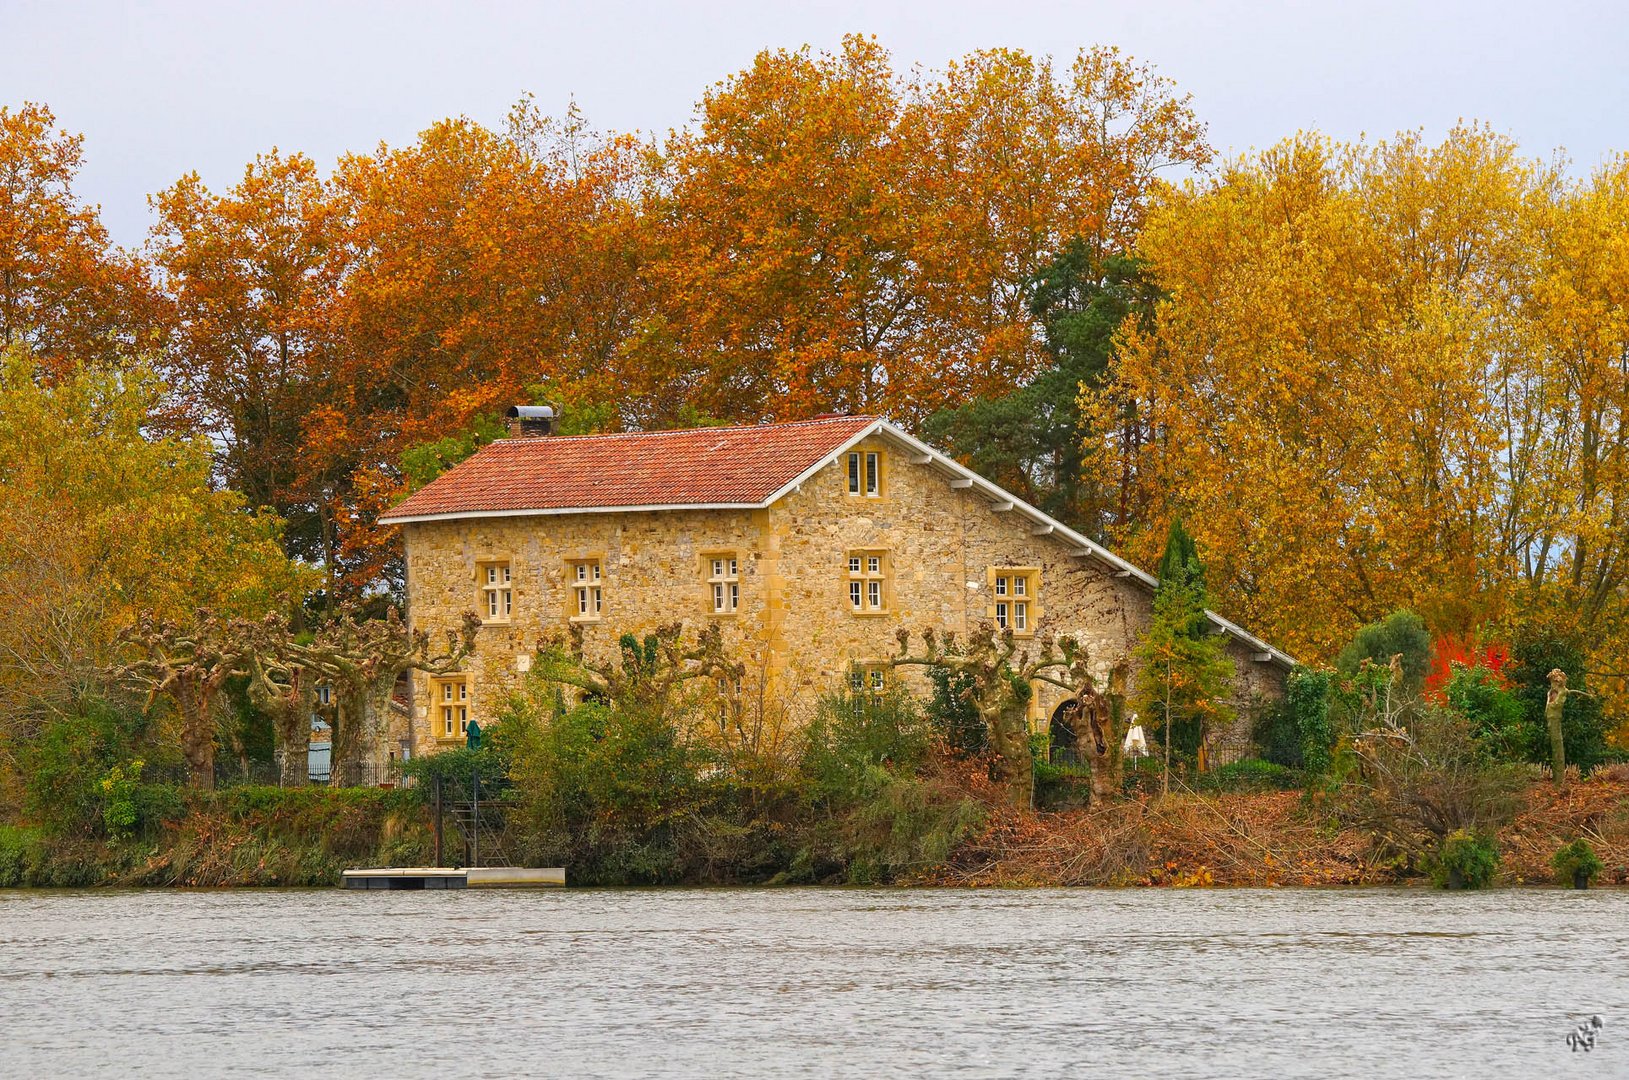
[{"x": 1184, "y": 674}]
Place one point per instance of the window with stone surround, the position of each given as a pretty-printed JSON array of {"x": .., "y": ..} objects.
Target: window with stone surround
[
  {"x": 497, "y": 597},
  {"x": 1014, "y": 601},
  {"x": 587, "y": 599},
  {"x": 449, "y": 706},
  {"x": 723, "y": 582},
  {"x": 868, "y": 677},
  {"x": 865, "y": 473},
  {"x": 868, "y": 582}
]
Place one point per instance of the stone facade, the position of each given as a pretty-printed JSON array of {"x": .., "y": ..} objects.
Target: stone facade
[{"x": 941, "y": 545}]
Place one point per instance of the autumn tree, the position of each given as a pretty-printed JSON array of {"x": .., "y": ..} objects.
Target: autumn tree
[
  {"x": 477, "y": 264},
  {"x": 1317, "y": 389},
  {"x": 67, "y": 295},
  {"x": 898, "y": 282},
  {"x": 250, "y": 275},
  {"x": 108, "y": 523}
]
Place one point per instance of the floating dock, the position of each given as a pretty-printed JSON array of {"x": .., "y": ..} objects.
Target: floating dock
[{"x": 446, "y": 877}]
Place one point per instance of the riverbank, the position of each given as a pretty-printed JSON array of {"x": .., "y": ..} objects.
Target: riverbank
[
  {"x": 1280, "y": 838},
  {"x": 271, "y": 837},
  {"x": 244, "y": 836}
]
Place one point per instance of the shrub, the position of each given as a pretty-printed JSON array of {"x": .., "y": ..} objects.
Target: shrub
[
  {"x": 22, "y": 855},
  {"x": 1495, "y": 715},
  {"x": 1400, "y": 633},
  {"x": 951, "y": 712},
  {"x": 1583, "y": 729},
  {"x": 121, "y": 812},
  {"x": 1307, "y": 699},
  {"x": 1576, "y": 861},
  {"x": 853, "y": 732},
  {"x": 1250, "y": 774},
  {"x": 1415, "y": 787},
  {"x": 1464, "y": 860},
  {"x": 66, "y": 764},
  {"x": 1276, "y": 736}
]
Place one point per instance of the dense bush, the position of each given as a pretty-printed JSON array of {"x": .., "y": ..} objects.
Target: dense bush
[
  {"x": 1583, "y": 729},
  {"x": 1576, "y": 863},
  {"x": 1414, "y": 787},
  {"x": 951, "y": 712},
  {"x": 1465, "y": 860},
  {"x": 1307, "y": 693},
  {"x": 1402, "y": 633},
  {"x": 1276, "y": 736},
  {"x": 77, "y": 770},
  {"x": 1496, "y": 716}
]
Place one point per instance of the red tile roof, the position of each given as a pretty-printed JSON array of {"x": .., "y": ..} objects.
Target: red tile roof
[{"x": 700, "y": 466}]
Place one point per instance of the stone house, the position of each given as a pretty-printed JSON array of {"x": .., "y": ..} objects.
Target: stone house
[{"x": 810, "y": 543}]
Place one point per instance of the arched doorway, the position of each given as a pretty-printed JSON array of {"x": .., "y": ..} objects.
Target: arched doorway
[{"x": 1061, "y": 738}]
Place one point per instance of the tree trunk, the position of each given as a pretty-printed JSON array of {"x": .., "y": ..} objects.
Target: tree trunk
[
  {"x": 1097, "y": 740},
  {"x": 1009, "y": 736},
  {"x": 198, "y": 746},
  {"x": 294, "y": 749},
  {"x": 1553, "y": 706},
  {"x": 345, "y": 742}
]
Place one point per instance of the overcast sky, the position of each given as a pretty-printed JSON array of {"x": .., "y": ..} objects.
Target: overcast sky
[{"x": 159, "y": 89}]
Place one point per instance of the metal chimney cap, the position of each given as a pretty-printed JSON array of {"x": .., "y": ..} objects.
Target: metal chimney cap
[{"x": 530, "y": 412}]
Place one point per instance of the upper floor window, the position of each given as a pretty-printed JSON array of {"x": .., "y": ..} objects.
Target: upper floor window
[
  {"x": 724, "y": 583},
  {"x": 451, "y": 705},
  {"x": 1014, "y": 599},
  {"x": 868, "y": 581},
  {"x": 865, "y": 473},
  {"x": 497, "y": 598},
  {"x": 587, "y": 601}
]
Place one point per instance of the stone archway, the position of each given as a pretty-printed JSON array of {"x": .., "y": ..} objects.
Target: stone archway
[{"x": 1061, "y": 738}]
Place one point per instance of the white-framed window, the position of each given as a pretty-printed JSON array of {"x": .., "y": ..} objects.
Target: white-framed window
[
  {"x": 868, "y": 581},
  {"x": 1014, "y": 599},
  {"x": 724, "y": 583},
  {"x": 587, "y": 597},
  {"x": 497, "y": 598},
  {"x": 867, "y": 678},
  {"x": 865, "y": 473},
  {"x": 451, "y": 705}
]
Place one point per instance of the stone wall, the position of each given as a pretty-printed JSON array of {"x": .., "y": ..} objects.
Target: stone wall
[{"x": 794, "y": 628}]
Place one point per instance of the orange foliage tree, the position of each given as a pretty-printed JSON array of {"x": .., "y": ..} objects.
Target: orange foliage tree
[{"x": 67, "y": 295}]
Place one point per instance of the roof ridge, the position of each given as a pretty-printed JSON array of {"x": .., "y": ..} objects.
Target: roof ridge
[{"x": 811, "y": 422}]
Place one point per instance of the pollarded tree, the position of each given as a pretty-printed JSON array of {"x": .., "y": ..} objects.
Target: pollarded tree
[
  {"x": 284, "y": 687},
  {"x": 646, "y": 673},
  {"x": 1000, "y": 674},
  {"x": 190, "y": 666},
  {"x": 360, "y": 661}
]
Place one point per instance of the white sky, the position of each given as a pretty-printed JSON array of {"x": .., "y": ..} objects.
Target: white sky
[{"x": 159, "y": 89}]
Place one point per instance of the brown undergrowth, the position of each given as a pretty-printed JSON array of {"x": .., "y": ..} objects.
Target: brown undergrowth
[{"x": 1260, "y": 839}]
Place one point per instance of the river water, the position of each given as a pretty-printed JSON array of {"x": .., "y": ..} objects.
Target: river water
[{"x": 812, "y": 982}]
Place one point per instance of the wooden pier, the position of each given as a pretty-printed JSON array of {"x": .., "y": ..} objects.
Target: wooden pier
[{"x": 445, "y": 877}]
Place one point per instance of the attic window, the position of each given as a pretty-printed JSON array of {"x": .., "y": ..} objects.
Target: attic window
[{"x": 865, "y": 473}]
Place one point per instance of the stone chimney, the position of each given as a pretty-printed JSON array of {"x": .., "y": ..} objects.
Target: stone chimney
[{"x": 532, "y": 421}]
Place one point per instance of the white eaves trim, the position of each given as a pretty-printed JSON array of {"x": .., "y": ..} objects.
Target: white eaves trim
[{"x": 962, "y": 478}]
